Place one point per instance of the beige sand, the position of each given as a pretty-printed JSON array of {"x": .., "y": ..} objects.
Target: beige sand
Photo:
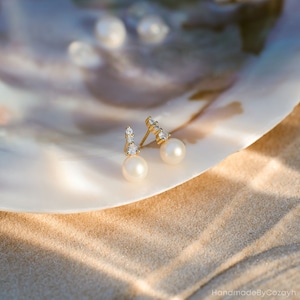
[{"x": 234, "y": 228}]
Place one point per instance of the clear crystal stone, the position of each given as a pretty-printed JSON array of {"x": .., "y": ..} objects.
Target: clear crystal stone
[
  {"x": 156, "y": 127},
  {"x": 163, "y": 136},
  {"x": 129, "y": 131},
  {"x": 130, "y": 138},
  {"x": 132, "y": 149},
  {"x": 151, "y": 121}
]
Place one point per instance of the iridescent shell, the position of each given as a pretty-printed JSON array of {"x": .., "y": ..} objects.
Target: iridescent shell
[{"x": 214, "y": 84}]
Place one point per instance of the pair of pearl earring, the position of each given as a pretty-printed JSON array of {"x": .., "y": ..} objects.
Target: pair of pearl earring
[{"x": 172, "y": 151}]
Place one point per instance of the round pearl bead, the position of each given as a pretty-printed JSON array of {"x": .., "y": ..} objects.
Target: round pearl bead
[
  {"x": 84, "y": 55},
  {"x": 111, "y": 32},
  {"x": 152, "y": 29},
  {"x": 172, "y": 151},
  {"x": 134, "y": 168}
]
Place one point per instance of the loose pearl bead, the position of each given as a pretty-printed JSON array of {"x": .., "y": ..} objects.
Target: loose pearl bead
[
  {"x": 172, "y": 151},
  {"x": 152, "y": 29},
  {"x": 84, "y": 55},
  {"x": 110, "y": 32},
  {"x": 134, "y": 168}
]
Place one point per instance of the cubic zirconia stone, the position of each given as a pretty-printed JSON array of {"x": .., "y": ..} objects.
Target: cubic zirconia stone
[
  {"x": 132, "y": 149},
  {"x": 156, "y": 128},
  {"x": 130, "y": 138},
  {"x": 151, "y": 121},
  {"x": 129, "y": 131},
  {"x": 163, "y": 136}
]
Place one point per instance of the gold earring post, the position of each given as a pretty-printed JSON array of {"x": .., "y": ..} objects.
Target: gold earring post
[
  {"x": 150, "y": 126},
  {"x": 144, "y": 138}
]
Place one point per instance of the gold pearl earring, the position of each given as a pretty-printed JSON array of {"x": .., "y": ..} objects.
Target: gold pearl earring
[
  {"x": 172, "y": 151},
  {"x": 134, "y": 167}
]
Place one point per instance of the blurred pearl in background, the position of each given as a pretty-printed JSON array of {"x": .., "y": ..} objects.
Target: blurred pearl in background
[
  {"x": 111, "y": 32},
  {"x": 84, "y": 55},
  {"x": 152, "y": 29}
]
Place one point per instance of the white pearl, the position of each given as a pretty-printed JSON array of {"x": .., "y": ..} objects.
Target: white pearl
[
  {"x": 84, "y": 55},
  {"x": 134, "y": 168},
  {"x": 172, "y": 151},
  {"x": 152, "y": 29},
  {"x": 111, "y": 32}
]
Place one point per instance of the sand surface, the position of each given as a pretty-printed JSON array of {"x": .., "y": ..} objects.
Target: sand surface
[{"x": 233, "y": 229}]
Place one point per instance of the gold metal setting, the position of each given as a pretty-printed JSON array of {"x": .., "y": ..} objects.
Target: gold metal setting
[
  {"x": 130, "y": 147},
  {"x": 153, "y": 126}
]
